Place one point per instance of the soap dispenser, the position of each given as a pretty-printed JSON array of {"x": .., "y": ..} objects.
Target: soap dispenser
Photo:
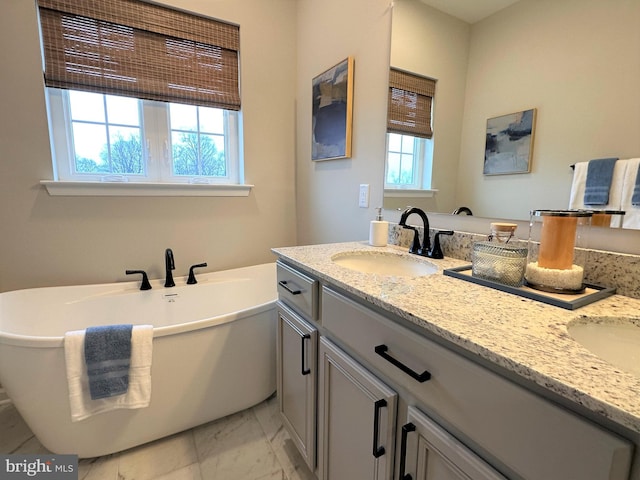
[{"x": 378, "y": 230}]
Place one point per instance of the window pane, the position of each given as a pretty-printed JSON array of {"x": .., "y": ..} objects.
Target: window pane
[
  {"x": 407, "y": 144},
  {"x": 86, "y": 106},
  {"x": 394, "y": 142},
  {"x": 185, "y": 153},
  {"x": 126, "y": 150},
  {"x": 123, "y": 110},
  {"x": 183, "y": 117},
  {"x": 89, "y": 140},
  {"x": 212, "y": 153},
  {"x": 393, "y": 168},
  {"x": 406, "y": 173},
  {"x": 211, "y": 120}
]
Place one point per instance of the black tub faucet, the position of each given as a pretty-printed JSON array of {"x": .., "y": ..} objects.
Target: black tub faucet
[
  {"x": 426, "y": 243},
  {"x": 169, "y": 265}
]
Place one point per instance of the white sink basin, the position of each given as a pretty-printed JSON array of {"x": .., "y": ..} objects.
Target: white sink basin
[
  {"x": 385, "y": 263},
  {"x": 615, "y": 340}
]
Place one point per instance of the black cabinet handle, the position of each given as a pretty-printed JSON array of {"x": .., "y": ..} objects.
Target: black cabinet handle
[
  {"x": 378, "y": 451},
  {"x": 420, "y": 377},
  {"x": 409, "y": 427},
  {"x": 304, "y": 371},
  {"x": 285, "y": 285}
]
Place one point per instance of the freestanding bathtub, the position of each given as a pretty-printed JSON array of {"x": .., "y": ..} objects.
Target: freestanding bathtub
[{"x": 213, "y": 354}]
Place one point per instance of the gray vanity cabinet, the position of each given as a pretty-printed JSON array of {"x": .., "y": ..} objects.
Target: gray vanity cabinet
[
  {"x": 428, "y": 452},
  {"x": 376, "y": 377},
  {"x": 356, "y": 419},
  {"x": 297, "y": 355},
  {"x": 521, "y": 434},
  {"x": 297, "y": 343}
]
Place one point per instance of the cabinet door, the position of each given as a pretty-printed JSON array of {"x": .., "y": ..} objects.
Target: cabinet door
[
  {"x": 356, "y": 419},
  {"x": 297, "y": 343},
  {"x": 428, "y": 452}
]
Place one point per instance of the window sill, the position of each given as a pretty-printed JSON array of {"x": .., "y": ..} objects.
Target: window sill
[
  {"x": 133, "y": 189},
  {"x": 408, "y": 193}
]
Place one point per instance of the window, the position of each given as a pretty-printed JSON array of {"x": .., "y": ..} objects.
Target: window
[
  {"x": 408, "y": 164},
  {"x": 137, "y": 92},
  {"x": 99, "y": 137},
  {"x": 409, "y": 131}
]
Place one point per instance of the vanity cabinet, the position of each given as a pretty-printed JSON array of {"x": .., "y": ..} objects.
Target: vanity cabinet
[
  {"x": 518, "y": 432},
  {"x": 297, "y": 341},
  {"x": 297, "y": 380},
  {"x": 435, "y": 413},
  {"x": 356, "y": 419},
  {"x": 428, "y": 452}
]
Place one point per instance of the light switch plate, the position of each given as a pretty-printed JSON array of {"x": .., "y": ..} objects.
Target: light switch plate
[{"x": 363, "y": 199}]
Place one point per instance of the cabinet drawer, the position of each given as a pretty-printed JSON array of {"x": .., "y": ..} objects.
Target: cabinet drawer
[
  {"x": 298, "y": 291},
  {"x": 527, "y": 435}
]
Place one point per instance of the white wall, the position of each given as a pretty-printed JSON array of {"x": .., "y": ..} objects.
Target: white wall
[
  {"x": 327, "y": 192},
  {"x": 73, "y": 240},
  {"x": 578, "y": 63},
  {"x": 433, "y": 44}
]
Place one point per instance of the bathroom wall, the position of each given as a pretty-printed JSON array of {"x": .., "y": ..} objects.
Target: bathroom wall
[
  {"x": 327, "y": 192},
  {"x": 429, "y": 42},
  {"x": 48, "y": 240},
  {"x": 577, "y": 63}
]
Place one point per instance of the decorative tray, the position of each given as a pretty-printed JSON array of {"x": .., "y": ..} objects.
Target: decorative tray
[{"x": 592, "y": 293}]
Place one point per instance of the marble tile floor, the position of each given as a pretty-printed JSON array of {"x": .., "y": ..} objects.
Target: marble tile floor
[{"x": 249, "y": 445}]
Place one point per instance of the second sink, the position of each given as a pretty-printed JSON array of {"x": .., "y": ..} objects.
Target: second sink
[
  {"x": 384, "y": 263},
  {"x": 615, "y": 340}
]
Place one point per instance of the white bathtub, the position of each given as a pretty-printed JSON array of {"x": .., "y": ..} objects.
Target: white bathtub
[{"x": 213, "y": 354}]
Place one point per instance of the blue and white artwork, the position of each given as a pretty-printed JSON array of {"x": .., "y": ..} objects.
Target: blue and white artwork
[
  {"x": 509, "y": 143},
  {"x": 332, "y": 112}
]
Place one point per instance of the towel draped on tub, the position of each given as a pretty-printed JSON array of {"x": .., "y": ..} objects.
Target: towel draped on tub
[
  {"x": 109, "y": 395},
  {"x": 107, "y": 353}
]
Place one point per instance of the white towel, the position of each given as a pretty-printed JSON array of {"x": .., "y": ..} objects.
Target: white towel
[
  {"x": 631, "y": 217},
  {"x": 139, "y": 392},
  {"x": 576, "y": 199}
]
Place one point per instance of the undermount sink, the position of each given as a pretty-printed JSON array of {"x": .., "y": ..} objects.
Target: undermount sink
[
  {"x": 615, "y": 340},
  {"x": 385, "y": 263}
]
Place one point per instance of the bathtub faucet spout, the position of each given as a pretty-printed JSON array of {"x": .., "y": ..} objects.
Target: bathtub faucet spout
[{"x": 169, "y": 265}]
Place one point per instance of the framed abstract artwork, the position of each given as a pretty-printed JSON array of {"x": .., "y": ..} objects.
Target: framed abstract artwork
[
  {"x": 509, "y": 143},
  {"x": 332, "y": 112}
]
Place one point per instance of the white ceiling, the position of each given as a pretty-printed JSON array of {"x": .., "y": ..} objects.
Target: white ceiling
[{"x": 470, "y": 11}]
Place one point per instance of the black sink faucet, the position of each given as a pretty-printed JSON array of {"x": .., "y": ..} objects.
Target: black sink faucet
[
  {"x": 169, "y": 265},
  {"x": 425, "y": 249},
  {"x": 426, "y": 242}
]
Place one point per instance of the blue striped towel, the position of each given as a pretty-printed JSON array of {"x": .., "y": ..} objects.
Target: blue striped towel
[
  {"x": 599, "y": 176},
  {"x": 107, "y": 353},
  {"x": 635, "y": 198}
]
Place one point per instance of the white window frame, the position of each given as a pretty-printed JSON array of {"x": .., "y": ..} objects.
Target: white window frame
[
  {"x": 422, "y": 167},
  {"x": 156, "y": 139}
]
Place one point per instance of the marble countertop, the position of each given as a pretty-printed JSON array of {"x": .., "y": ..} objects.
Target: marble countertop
[{"x": 526, "y": 337}]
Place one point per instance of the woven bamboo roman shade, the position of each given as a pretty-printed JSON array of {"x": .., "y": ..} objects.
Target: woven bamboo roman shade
[
  {"x": 409, "y": 105},
  {"x": 142, "y": 50}
]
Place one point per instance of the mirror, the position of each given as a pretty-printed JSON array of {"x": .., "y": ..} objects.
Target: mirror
[{"x": 575, "y": 62}]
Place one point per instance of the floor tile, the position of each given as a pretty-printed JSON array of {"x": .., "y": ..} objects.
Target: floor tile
[
  {"x": 190, "y": 472},
  {"x": 235, "y": 447},
  {"x": 100, "y": 468},
  {"x": 249, "y": 445},
  {"x": 15, "y": 432},
  {"x": 154, "y": 459},
  {"x": 295, "y": 468}
]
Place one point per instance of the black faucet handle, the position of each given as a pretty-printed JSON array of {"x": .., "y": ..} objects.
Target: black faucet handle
[
  {"x": 145, "y": 285},
  {"x": 192, "y": 276},
  {"x": 436, "y": 251},
  {"x": 415, "y": 246}
]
